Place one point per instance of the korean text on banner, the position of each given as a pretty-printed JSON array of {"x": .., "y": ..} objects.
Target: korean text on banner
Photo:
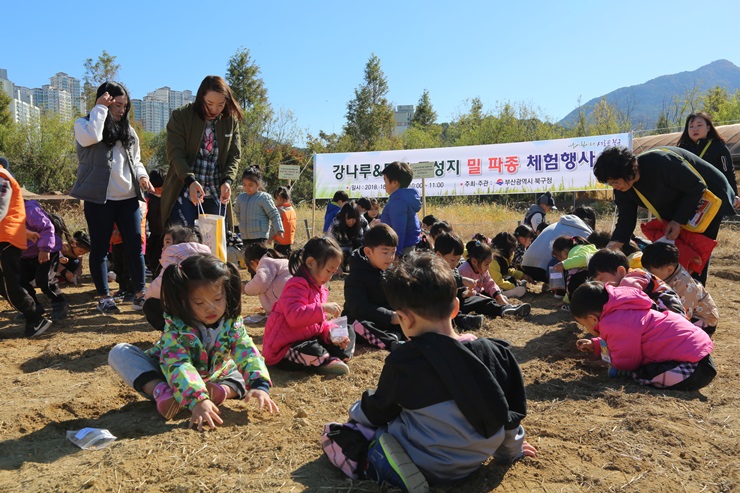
[{"x": 563, "y": 165}]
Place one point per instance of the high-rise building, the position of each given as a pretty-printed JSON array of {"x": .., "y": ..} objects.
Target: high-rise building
[
  {"x": 72, "y": 86},
  {"x": 57, "y": 100},
  {"x": 23, "y": 112},
  {"x": 403, "y": 115},
  {"x": 155, "y": 109},
  {"x": 21, "y": 106}
]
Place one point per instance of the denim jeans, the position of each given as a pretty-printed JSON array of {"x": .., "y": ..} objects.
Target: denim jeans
[{"x": 100, "y": 220}]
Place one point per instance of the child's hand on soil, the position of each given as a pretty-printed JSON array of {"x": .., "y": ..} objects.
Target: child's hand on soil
[
  {"x": 585, "y": 345},
  {"x": 205, "y": 411},
  {"x": 331, "y": 309},
  {"x": 263, "y": 401},
  {"x": 528, "y": 450},
  {"x": 501, "y": 299}
]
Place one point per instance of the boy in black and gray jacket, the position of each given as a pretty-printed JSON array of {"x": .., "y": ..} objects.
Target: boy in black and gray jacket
[
  {"x": 444, "y": 403},
  {"x": 365, "y": 304}
]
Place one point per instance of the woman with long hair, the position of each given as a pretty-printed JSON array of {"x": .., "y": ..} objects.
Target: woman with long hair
[
  {"x": 700, "y": 137},
  {"x": 203, "y": 152},
  {"x": 111, "y": 179}
]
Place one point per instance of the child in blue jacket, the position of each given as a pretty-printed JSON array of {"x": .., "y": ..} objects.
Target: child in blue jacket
[{"x": 403, "y": 205}]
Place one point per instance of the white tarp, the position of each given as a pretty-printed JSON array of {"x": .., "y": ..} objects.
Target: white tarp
[{"x": 563, "y": 165}]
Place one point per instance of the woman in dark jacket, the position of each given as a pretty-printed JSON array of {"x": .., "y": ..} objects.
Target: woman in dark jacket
[
  {"x": 700, "y": 137},
  {"x": 663, "y": 176}
]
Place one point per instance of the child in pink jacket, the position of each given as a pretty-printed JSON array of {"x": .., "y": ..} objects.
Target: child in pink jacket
[
  {"x": 297, "y": 333},
  {"x": 661, "y": 349},
  {"x": 269, "y": 274},
  {"x": 179, "y": 243},
  {"x": 476, "y": 267}
]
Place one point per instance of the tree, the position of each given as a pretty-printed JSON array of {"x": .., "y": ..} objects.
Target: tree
[
  {"x": 44, "y": 154},
  {"x": 370, "y": 117},
  {"x": 604, "y": 118},
  {"x": 424, "y": 115},
  {"x": 103, "y": 69},
  {"x": 6, "y": 119},
  {"x": 243, "y": 76},
  {"x": 249, "y": 90},
  {"x": 713, "y": 100}
]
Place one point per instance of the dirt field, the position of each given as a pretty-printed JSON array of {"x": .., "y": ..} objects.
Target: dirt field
[{"x": 593, "y": 433}]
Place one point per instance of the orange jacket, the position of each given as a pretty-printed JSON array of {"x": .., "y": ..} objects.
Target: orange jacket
[
  {"x": 289, "y": 219},
  {"x": 13, "y": 225}
]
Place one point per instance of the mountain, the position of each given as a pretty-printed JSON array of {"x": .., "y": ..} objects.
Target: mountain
[{"x": 645, "y": 101}]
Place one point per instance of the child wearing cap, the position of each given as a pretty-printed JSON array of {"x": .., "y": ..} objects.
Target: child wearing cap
[{"x": 536, "y": 213}]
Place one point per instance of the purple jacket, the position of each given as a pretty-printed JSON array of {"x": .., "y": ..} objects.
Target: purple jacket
[
  {"x": 636, "y": 335},
  {"x": 38, "y": 222}
]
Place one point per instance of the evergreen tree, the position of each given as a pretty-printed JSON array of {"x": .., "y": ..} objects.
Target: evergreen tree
[
  {"x": 243, "y": 76},
  {"x": 6, "y": 119},
  {"x": 370, "y": 117},
  {"x": 424, "y": 115},
  {"x": 103, "y": 69}
]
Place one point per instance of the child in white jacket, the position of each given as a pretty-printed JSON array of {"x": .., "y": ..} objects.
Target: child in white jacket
[{"x": 269, "y": 274}]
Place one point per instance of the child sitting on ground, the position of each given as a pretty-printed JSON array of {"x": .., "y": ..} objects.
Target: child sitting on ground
[
  {"x": 506, "y": 277},
  {"x": 348, "y": 228},
  {"x": 284, "y": 241},
  {"x": 612, "y": 267},
  {"x": 450, "y": 248},
  {"x": 297, "y": 333},
  {"x": 403, "y": 205},
  {"x": 70, "y": 258},
  {"x": 660, "y": 349},
  {"x": 572, "y": 254},
  {"x": 444, "y": 403},
  {"x": 365, "y": 304},
  {"x": 204, "y": 356},
  {"x": 179, "y": 243},
  {"x": 269, "y": 272},
  {"x": 373, "y": 215},
  {"x": 661, "y": 260},
  {"x": 524, "y": 237}
]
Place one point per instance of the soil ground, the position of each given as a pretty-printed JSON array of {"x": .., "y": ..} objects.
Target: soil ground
[{"x": 592, "y": 433}]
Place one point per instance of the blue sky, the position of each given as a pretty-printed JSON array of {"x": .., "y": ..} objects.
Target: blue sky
[{"x": 312, "y": 54}]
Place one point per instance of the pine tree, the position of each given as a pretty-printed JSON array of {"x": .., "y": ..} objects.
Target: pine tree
[
  {"x": 370, "y": 117},
  {"x": 424, "y": 116}
]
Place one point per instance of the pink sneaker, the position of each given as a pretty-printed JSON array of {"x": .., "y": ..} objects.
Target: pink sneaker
[
  {"x": 217, "y": 393},
  {"x": 167, "y": 405}
]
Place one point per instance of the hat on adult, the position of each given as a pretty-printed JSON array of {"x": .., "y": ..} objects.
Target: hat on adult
[
  {"x": 546, "y": 199},
  {"x": 4, "y": 163}
]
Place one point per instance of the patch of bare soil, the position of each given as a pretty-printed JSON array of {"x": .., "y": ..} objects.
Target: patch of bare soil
[{"x": 593, "y": 433}]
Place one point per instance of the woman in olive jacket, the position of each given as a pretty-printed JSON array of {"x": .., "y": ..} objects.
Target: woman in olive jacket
[{"x": 203, "y": 152}]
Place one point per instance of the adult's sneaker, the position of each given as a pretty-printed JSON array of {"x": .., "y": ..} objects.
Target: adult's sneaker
[
  {"x": 37, "y": 328},
  {"x": 334, "y": 367},
  {"x": 167, "y": 405},
  {"x": 516, "y": 310},
  {"x": 107, "y": 306},
  {"x": 389, "y": 463}
]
